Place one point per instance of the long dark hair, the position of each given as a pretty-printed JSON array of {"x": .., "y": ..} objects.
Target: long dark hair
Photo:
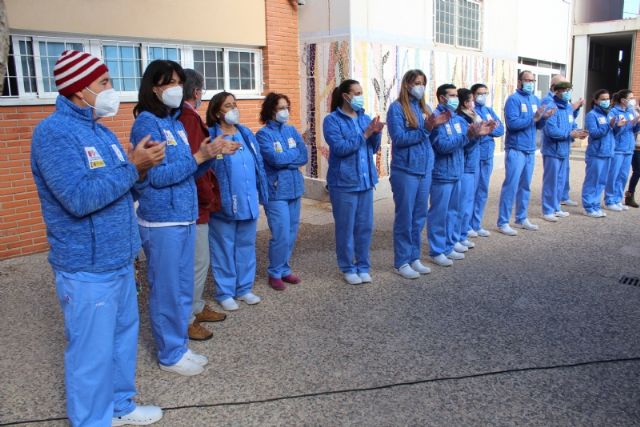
[
  {"x": 464, "y": 95},
  {"x": 405, "y": 96},
  {"x": 336, "y": 95},
  {"x": 596, "y": 95},
  {"x": 158, "y": 73},
  {"x": 215, "y": 105},
  {"x": 620, "y": 95},
  {"x": 270, "y": 104}
]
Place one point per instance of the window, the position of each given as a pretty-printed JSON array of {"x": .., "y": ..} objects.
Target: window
[
  {"x": 210, "y": 64},
  {"x": 457, "y": 23},
  {"x": 32, "y": 58},
  {"x": 125, "y": 66}
]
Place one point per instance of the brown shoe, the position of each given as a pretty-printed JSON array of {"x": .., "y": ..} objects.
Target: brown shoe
[
  {"x": 197, "y": 332},
  {"x": 208, "y": 315}
]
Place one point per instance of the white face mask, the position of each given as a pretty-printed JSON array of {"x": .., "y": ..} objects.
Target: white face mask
[
  {"x": 232, "y": 117},
  {"x": 107, "y": 102},
  {"x": 282, "y": 116},
  {"x": 631, "y": 103},
  {"x": 172, "y": 97},
  {"x": 417, "y": 91}
]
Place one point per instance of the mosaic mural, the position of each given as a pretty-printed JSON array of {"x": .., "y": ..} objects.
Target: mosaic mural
[{"x": 379, "y": 68}]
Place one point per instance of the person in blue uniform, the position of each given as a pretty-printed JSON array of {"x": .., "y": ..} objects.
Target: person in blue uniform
[
  {"x": 577, "y": 105},
  {"x": 353, "y": 139},
  {"x": 410, "y": 122},
  {"x": 523, "y": 116},
  {"x": 283, "y": 152},
  {"x": 487, "y": 147},
  {"x": 448, "y": 141},
  {"x": 243, "y": 184},
  {"x": 167, "y": 213},
  {"x": 626, "y": 117},
  {"x": 558, "y": 133},
  {"x": 84, "y": 180},
  {"x": 599, "y": 122}
]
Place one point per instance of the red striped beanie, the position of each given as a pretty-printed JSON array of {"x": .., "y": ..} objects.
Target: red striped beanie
[{"x": 76, "y": 70}]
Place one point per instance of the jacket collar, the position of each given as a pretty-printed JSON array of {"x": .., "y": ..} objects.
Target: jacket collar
[
  {"x": 359, "y": 113},
  {"x": 66, "y": 107},
  {"x": 274, "y": 124}
]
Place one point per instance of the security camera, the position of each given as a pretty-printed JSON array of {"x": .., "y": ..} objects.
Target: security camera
[{"x": 302, "y": 2}]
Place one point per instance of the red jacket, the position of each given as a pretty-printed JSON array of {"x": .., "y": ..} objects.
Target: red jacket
[{"x": 208, "y": 190}]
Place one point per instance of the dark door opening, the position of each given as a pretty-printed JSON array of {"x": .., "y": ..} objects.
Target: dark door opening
[{"x": 609, "y": 62}]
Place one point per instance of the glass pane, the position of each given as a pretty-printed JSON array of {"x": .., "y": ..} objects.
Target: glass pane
[
  {"x": 233, "y": 57},
  {"x": 197, "y": 55},
  {"x": 245, "y": 57},
  {"x": 234, "y": 83}
]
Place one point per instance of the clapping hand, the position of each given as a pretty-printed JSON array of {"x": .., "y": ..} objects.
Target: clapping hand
[
  {"x": 579, "y": 133},
  {"x": 436, "y": 120},
  {"x": 146, "y": 154},
  {"x": 579, "y": 103},
  {"x": 375, "y": 126}
]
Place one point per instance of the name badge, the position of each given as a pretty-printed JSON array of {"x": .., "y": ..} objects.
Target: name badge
[
  {"x": 448, "y": 127},
  {"x": 523, "y": 108},
  {"x": 183, "y": 135},
  {"x": 170, "y": 139},
  {"x": 630, "y": 116},
  {"x": 621, "y": 117},
  {"x": 118, "y": 152},
  {"x": 457, "y": 127},
  {"x": 277, "y": 146},
  {"x": 602, "y": 120},
  {"x": 570, "y": 118},
  {"x": 534, "y": 108},
  {"x": 94, "y": 158},
  {"x": 291, "y": 142}
]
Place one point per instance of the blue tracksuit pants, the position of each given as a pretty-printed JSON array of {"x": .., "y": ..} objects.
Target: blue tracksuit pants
[
  {"x": 518, "y": 167},
  {"x": 101, "y": 325},
  {"x": 467, "y": 196},
  {"x": 232, "y": 244},
  {"x": 617, "y": 180},
  {"x": 170, "y": 252},
  {"x": 483, "y": 175},
  {"x": 283, "y": 217},
  {"x": 443, "y": 217},
  {"x": 567, "y": 183},
  {"x": 353, "y": 217},
  {"x": 410, "y": 196},
  {"x": 595, "y": 180},
  {"x": 553, "y": 177}
]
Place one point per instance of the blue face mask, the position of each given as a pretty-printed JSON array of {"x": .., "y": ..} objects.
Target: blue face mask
[
  {"x": 605, "y": 104},
  {"x": 357, "y": 102},
  {"x": 453, "y": 103},
  {"x": 566, "y": 96},
  {"x": 528, "y": 87},
  {"x": 481, "y": 99}
]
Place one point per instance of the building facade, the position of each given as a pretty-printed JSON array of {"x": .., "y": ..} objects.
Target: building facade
[{"x": 246, "y": 47}]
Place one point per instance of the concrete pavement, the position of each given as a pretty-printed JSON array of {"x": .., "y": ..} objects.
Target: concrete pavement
[{"x": 528, "y": 330}]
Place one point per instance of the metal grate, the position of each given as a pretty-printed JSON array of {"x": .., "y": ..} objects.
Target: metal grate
[{"x": 632, "y": 281}]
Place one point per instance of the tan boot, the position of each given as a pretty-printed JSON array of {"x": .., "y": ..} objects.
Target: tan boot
[
  {"x": 208, "y": 315},
  {"x": 197, "y": 332}
]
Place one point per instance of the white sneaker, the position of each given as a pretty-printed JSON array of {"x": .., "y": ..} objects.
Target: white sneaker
[
  {"x": 250, "y": 298},
  {"x": 468, "y": 244},
  {"x": 506, "y": 229},
  {"x": 614, "y": 208},
  {"x": 472, "y": 233},
  {"x": 229, "y": 304},
  {"x": 407, "y": 272},
  {"x": 442, "y": 260},
  {"x": 141, "y": 416},
  {"x": 459, "y": 247},
  {"x": 196, "y": 358},
  {"x": 483, "y": 233},
  {"x": 184, "y": 367},
  {"x": 352, "y": 279},
  {"x": 595, "y": 214},
  {"x": 527, "y": 225},
  {"x": 569, "y": 202},
  {"x": 602, "y": 213},
  {"x": 623, "y": 207},
  {"x": 561, "y": 214},
  {"x": 550, "y": 217},
  {"x": 455, "y": 255},
  {"x": 365, "y": 277},
  {"x": 419, "y": 267}
]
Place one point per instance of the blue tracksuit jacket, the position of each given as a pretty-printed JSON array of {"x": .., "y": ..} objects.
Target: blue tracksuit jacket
[
  {"x": 222, "y": 168},
  {"x": 351, "y": 166},
  {"x": 411, "y": 150},
  {"x": 557, "y": 138},
  {"x": 487, "y": 142},
  {"x": 518, "y": 116},
  {"x": 625, "y": 135},
  {"x": 449, "y": 140},
  {"x": 84, "y": 179},
  {"x": 283, "y": 152},
  {"x": 601, "y": 140}
]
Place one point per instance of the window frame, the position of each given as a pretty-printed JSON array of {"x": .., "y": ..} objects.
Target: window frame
[{"x": 456, "y": 26}]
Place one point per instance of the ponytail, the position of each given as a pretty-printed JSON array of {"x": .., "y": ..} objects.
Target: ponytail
[
  {"x": 620, "y": 95},
  {"x": 336, "y": 95}
]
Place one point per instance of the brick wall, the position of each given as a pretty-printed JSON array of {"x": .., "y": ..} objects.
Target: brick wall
[
  {"x": 635, "y": 67},
  {"x": 22, "y": 230}
]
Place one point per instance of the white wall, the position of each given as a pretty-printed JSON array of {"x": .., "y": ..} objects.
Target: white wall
[
  {"x": 319, "y": 19},
  {"x": 543, "y": 29}
]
